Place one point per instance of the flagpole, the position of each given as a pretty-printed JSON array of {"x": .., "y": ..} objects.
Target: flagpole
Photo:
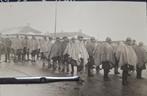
[
  {"x": 146, "y": 10},
  {"x": 55, "y": 26}
]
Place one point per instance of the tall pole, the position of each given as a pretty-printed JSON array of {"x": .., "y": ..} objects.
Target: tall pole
[
  {"x": 146, "y": 7},
  {"x": 55, "y": 27}
]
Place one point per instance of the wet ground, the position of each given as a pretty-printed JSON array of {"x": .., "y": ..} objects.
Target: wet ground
[{"x": 93, "y": 86}]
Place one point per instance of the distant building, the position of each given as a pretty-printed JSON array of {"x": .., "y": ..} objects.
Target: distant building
[
  {"x": 68, "y": 34},
  {"x": 21, "y": 31}
]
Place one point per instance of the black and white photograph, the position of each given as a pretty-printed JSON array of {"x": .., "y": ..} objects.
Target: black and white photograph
[{"x": 73, "y": 48}]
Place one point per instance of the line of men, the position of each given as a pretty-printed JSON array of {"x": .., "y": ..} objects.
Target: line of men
[{"x": 79, "y": 55}]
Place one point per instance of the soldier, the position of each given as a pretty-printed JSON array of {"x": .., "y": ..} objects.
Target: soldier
[
  {"x": 83, "y": 54},
  {"x": 107, "y": 57},
  {"x": 1, "y": 47},
  {"x": 64, "y": 57},
  {"x": 50, "y": 44},
  {"x": 7, "y": 44},
  {"x": 44, "y": 49},
  {"x": 127, "y": 58},
  {"x": 71, "y": 54},
  {"x": 90, "y": 46},
  {"x": 77, "y": 54},
  {"x": 115, "y": 45},
  {"x": 55, "y": 53},
  {"x": 28, "y": 49},
  {"x": 33, "y": 48},
  {"x": 141, "y": 59},
  {"x": 38, "y": 49},
  {"x": 25, "y": 48},
  {"x": 16, "y": 46},
  {"x": 97, "y": 55}
]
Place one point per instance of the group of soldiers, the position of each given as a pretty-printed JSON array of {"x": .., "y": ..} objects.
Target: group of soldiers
[{"x": 79, "y": 55}]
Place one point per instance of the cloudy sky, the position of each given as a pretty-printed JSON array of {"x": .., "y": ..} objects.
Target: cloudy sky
[{"x": 100, "y": 19}]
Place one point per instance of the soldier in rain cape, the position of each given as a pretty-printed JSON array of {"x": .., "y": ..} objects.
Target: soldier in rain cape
[
  {"x": 78, "y": 55},
  {"x": 90, "y": 46},
  {"x": 33, "y": 46},
  {"x": 44, "y": 50},
  {"x": 1, "y": 47},
  {"x": 24, "y": 43},
  {"x": 64, "y": 57},
  {"x": 115, "y": 45},
  {"x": 50, "y": 44},
  {"x": 83, "y": 54},
  {"x": 72, "y": 53},
  {"x": 38, "y": 49},
  {"x": 97, "y": 56},
  {"x": 7, "y": 49},
  {"x": 127, "y": 58},
  {"x": 55, "y": 53},
  {"x": 16, "y": 47},
  {"x": 107, "y": 57},
  {"x": 141, "y": 59}
]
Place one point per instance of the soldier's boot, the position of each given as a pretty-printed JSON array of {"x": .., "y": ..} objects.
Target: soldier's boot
[
  {"x": 124, "y": 77},
  {"x": 63, "y": 68},
  {"x": 28, "y": 58},
  {"x": 89, "y": 72},
  {"x": 43, "y": 65},
  {"x": 0, "y": 57},
  {"x": 14, "y": 60},
  {"x": 59, "y": 66},
  {"x": 116, "y": 70},
  {"x": 106, "y": 78},
  {"x": 37, "y": 56},
  {"x": 49, "y": 64},
  {"x": 9, "y": 57},
  {"x": 22, "y": 57},
  {"x": 67, "y": 68},
  {"x": 106, "y": 67},
  {"x": 6, "y": 58},
  {"x": 72, "y": 69},
  {"x": 54, "y": 65},
  {"x": 34, "y": 59},
  {"x": 98, "y": 69},
  {"x": 139, "y": 74}
]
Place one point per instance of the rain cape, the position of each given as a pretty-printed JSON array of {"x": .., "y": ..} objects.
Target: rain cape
[
  {"x": 90, "y": 46},
  {"x": 55, "y": 50},
  {"x": 97, "y": 54},
  {"x": 16, "y": 44},
  {"x": 33, "y": 45},
  {"x": 140, "y": 52},
  {"x": 77, "y": 50},
  {"x": 43, "y": 45},
  {"x": 107, "y": 53},
  {"x": 24, "y": 43},
  {"x": 125, "y": 54},
  {"x": 63, "y": 46}
]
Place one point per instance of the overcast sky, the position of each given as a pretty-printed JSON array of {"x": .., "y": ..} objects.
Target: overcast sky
[{"x": 100, "y": 19}]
